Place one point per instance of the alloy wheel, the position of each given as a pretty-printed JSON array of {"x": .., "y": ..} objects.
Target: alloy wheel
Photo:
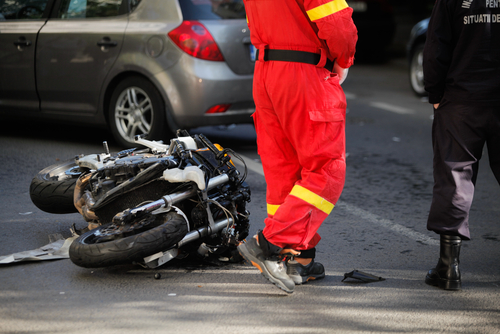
[{"x": 133, "y": 113}]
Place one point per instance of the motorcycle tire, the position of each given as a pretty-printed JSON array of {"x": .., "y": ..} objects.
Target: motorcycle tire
[
  {"x": 166, "y": 231},
  {"x": 51, "y": 190}
]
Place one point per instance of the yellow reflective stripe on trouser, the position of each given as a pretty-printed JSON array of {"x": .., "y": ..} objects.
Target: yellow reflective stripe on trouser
[
  {"x": 271, "y": 209},
  {"x": 326, "y": 9},
  {"x": 313, "y": 199}
]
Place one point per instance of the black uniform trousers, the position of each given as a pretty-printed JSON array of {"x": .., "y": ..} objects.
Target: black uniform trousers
[{"x": 459, "y": 133}]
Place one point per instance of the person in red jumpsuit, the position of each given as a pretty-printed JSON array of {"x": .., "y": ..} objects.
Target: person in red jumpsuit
[{"x": 304, "y": 48}]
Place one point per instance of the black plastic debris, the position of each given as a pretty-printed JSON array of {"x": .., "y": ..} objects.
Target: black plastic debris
[{"x": 362, "y": 277}]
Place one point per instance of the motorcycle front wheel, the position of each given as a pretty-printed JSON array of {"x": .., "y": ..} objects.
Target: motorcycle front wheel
[
  {"x": 109, "y": 245},
  {"x": 51, "y": 190}
]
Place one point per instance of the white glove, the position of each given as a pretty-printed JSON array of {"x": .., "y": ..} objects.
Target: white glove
[{"x": 342, "y": 72}]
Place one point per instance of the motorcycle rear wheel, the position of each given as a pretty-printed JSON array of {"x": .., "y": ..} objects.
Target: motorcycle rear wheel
[
  {"x": 93, "y": 250},
  {"x": 51, "y": 190}
]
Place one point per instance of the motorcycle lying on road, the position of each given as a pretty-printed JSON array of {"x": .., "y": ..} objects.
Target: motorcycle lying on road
[{"x": 150, "y": 205}]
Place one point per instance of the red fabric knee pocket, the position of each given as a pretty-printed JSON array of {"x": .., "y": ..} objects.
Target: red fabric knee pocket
[{"x": 327, "y": 135}]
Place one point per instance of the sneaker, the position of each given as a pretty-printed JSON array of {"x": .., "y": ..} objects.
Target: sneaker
[
  {"x": 301, "y": 274},
  {"x": 273, "y": 270}
]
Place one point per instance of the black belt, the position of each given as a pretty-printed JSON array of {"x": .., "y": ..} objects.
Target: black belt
[{"x": 294, "y": 56}]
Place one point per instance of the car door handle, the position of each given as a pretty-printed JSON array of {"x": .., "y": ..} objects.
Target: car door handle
[
  {"x": 22, "y": 42},
  {"x": 107, "y": 42}
]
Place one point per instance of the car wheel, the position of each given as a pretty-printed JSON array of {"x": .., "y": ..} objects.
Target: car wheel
[
  {"x": 136, "y": 108},
  {"x": 417, "y": 71}
]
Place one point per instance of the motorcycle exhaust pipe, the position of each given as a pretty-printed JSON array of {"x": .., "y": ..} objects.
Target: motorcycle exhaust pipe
[
  {"x": 168, "y": 201},
  {"x": 161, "y": 258},
  {"x": 83, "y": 201},
  {"x": 205, "y": 231}
]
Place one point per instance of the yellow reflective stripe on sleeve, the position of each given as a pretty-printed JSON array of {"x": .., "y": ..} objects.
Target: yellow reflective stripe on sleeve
[
  {"x": 313, "y": 199},
  {"x": 326, "y": 9},
  {"x": 271, "y": 209}
]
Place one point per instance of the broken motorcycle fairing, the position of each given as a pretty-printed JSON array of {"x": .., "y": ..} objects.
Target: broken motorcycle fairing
[{"x": 149, "y": 205}]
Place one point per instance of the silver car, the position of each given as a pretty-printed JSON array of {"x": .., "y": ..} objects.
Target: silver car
[{"x": 139, "y": 66}]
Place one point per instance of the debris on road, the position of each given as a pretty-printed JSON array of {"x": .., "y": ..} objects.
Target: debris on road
[
  {"x": 361, "y": 276},
  {"x": 58, "y": 248}
]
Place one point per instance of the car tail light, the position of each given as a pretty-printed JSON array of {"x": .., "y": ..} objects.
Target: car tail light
[
  {"x": 194, "y": 39},
  {"x": 218, "y": 109}
]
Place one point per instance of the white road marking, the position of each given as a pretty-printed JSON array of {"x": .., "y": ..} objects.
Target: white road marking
[
  {"x": 350, "y": 96},
  {"x": 392, "y": 108},
  {"x": 253, "y": 165},
  {"x": 405, "y": 231},
  {"x": 352, "y": 209}
]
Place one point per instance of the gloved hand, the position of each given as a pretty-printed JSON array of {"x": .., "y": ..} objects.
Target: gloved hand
[{"x": 342, "y": 72}]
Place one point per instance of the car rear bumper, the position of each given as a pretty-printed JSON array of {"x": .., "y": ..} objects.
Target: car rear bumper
[{"x": 192, "y": 86}]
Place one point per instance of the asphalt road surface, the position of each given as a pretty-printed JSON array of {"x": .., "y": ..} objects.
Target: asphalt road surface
[{"x": 378, "y": 227}]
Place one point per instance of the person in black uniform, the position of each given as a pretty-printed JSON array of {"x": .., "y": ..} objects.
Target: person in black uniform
[{"x": 462, "y": 77}]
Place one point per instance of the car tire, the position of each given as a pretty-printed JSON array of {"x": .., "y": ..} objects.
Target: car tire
[
  {"x": 417, "y": 71},
  {"x": 136, "y": 108}
]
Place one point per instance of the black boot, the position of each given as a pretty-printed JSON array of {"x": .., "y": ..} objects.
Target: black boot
[{"x": 446, "y": 274}]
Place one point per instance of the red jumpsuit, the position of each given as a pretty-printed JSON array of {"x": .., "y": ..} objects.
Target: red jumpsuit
[{"x": 300, "y": 113}]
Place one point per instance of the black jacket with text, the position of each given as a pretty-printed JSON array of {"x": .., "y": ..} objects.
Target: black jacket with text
[{"x": 462, "y": 52}]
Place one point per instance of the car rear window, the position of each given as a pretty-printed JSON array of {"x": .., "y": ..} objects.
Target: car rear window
[{"x": 212, "y": 9}]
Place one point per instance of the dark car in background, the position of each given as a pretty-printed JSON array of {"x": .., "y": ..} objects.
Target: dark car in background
[
  {"x": 415, "y": 50},
  {"x": 137, "y": 66},
  {"x": 376, "y": 27}
]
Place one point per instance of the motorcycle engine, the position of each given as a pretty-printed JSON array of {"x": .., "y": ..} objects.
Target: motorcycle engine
[
  {"x": 125, "y": 168},
  {"x": 118, "y": 185}
]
